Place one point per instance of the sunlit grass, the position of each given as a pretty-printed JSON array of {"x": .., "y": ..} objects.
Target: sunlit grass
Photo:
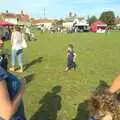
[{"x": 98, "y": 58}]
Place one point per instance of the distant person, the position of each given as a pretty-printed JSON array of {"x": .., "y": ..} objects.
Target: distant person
[
  {"x": 106, "y": 30},
  {"x": 28, "y": 33},
  {"x": 17, "y": 49},
  {"x": 71, "y": 56},
  {"x": 105, "y": 103},
  {"x": 11, "y": 91}
]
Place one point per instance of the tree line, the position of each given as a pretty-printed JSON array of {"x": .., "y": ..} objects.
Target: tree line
[{"x": 107, "y": 16}]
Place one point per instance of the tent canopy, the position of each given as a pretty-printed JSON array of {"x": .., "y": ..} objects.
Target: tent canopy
[
  {"x": 82, "y": 24},
  {"x": 97, "y": 24},
  {"x": 4, "y": 23}
]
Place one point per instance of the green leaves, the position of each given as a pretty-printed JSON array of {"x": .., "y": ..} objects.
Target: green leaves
[{"x": 108, "y": 17}]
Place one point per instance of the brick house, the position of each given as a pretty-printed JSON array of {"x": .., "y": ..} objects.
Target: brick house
[
  {"x": 9, "y": 17},
  {"x": 23, "y": 18},
  {"x": 14, "y": 18},
  {"x": 43, "y": 22}
]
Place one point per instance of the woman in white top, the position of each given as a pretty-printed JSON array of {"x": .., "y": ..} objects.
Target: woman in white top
[{"x": 17, "y": 49}]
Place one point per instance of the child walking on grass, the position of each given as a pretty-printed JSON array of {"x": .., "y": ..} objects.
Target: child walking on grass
[{"x": 71, "y": 56}]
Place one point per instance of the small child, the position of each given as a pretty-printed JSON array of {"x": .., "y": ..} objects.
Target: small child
[{"x": 71, "y": 56}]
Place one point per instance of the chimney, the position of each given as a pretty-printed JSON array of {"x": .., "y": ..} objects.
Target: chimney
[
  {"x": 7, "y": 11},
  {"x": 22, "y": 12}
]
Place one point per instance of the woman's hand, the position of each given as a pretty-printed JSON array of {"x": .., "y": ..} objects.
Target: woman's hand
[{"x": 115, "y": 85}]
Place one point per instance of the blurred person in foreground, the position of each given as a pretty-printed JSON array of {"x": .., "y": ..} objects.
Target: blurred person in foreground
[
  {"x": 11, "y": 90},
  {"x": 105, "y": 103}
]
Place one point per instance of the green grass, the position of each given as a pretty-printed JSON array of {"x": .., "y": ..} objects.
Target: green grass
[{"x": 98, "y": 58}]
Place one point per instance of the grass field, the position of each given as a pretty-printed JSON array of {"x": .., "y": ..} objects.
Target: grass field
[{"x": 52, "y": 94}]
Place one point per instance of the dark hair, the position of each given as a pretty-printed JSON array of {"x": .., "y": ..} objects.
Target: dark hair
[
  {"x": 4, "y": 62},
  {"x": 103, "y": 101},
  {"x": 2, "y": 38},
  {"x": 71, "y": 46},
  {"x": 17, "y": 28}
]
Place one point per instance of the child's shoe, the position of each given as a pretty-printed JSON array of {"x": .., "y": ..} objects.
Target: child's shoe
[
  {"x": 20, "y": 70},
  {"x": 12, "y": 69}
]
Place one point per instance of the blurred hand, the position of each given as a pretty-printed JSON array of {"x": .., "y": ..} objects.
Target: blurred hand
[{"x": 115, "y": 85}]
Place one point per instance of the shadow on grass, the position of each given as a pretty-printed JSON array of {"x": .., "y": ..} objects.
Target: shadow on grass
[
  {"x": 50, "y": 105},
  {"x": 102, "y": 85},
  {"x": 35, "y": 61},
  {"x": 82, "y": 111},
  {"x": 29, "y": 78}
]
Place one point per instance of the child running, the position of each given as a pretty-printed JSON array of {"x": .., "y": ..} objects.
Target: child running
[{"x": 71, "y": 56}]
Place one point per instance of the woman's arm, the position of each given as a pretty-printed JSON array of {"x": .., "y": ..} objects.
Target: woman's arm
[
  {"x": 74, "y": 57},
  {"x": 12, "y": 37},
  {"x": 16, "y": 101},
  {"x": 8, "y": 107},
  {"x": 67, "y": 54}
]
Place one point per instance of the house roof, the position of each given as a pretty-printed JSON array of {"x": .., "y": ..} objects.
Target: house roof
[
  {"x": 23, "y": 17},
  {"x": 8, "y": 15},
  {"x": 38, "y": 21}
]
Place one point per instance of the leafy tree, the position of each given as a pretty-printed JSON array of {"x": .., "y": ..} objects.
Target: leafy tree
[
  {"x": 108, "y": 17},
  {"x": 0, "y": 17},
  {"x": 91, "y": 19},
  {"x": 58, "y": 23}
]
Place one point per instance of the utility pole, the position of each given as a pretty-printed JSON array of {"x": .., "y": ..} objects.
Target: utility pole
[{"x": 44, "y": 12}]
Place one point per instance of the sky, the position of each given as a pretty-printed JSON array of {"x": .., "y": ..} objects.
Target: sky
[{"x": 60, "y": 8}]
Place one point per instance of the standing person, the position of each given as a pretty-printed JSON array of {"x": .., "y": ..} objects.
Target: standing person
[
  {"x": 17, "y": 49},
  {"x": 11, "y": 91},
  {"x": 71, "y": 56},
  {"x": 28, "y": 33}
]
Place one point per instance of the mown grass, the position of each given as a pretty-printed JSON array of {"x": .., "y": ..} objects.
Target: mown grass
[{"x": 98, "y": 59}]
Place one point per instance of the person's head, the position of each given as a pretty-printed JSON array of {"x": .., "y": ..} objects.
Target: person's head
[
  {"x": 104, "y": 105},
  {"x": 70, "y": 48},
  {"x": 17, "y": 28}
]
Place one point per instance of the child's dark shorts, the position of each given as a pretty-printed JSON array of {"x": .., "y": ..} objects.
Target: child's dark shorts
[{"x": 71, "y": 64}]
